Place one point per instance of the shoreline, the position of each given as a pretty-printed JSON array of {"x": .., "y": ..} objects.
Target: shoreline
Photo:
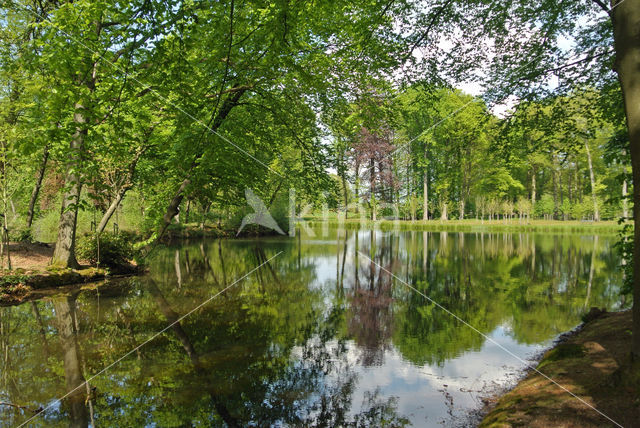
[
  {"x": 478, "y": 226},
  {"x": 593, "y": 362},
  {"x": 20, "y": 287}
]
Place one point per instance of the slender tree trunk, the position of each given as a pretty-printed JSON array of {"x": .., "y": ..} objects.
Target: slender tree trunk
[
  {"x": 444, "y": 215},
  {"x": 576, "y": 175},
  {"x": 186, "y": 212},
  {"x": 625, "y": 202},
  {"x": 625, "y": 190},
  {"x": 4, "y": 247},
  {"x": 345, "y": 191},
  {"x": 554, "y": 173},
  {"x": 626, "y": 29},
  {"x": 461, "y": 208},
  {"x": 204, "y": 215},
  {"x": 36, "y": 187},
  {"x": 357, "y": 187},
  {"x": 425, "y": 190},
  {"x": 65, "y": 254},
  {"x": 533, "y": 189},
  {"x": 596, "y": 213},
  {"x": 112, "y": 209},
  {"x": 372, "y": 187}
]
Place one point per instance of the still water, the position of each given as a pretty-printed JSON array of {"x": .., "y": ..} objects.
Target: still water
[{"x": 318, "y": 336}]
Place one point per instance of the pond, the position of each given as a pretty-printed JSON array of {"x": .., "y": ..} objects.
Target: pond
[{"x": 320, "y": 335}]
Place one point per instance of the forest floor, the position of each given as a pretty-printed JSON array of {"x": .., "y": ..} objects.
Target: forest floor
[
  {"x": 594, "y": 363},
  {"x": 31, "y": 272},
  {"x": 30, "y": 257}
]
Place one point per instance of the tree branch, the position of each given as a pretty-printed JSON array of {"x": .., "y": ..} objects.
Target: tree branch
[{"x": 602, "y": 5}]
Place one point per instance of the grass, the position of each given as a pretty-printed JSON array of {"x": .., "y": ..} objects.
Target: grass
[{"x": 472, "y": 225}]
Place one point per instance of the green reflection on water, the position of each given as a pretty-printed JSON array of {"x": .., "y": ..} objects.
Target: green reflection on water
[{"x": 289, "y": 345}]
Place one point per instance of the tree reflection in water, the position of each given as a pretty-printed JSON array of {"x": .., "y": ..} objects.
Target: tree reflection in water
[{"x": 295, "y": 344}]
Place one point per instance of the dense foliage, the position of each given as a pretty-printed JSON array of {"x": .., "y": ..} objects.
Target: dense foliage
[
  {"x": 442, "y": 153},
  {"x": 107, "y": 249}
]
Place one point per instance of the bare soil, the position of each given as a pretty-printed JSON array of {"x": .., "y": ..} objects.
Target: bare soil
[{"x": 32, "y": 257}]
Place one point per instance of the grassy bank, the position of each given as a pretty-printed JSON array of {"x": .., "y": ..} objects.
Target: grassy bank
[
  {"x": 593, "y": 363},
  {"x": 472, "y": 225}
]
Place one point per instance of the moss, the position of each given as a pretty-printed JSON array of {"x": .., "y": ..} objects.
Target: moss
[
  {"x": 561, "y": 352},
  {"x": 605, "y": 377}
]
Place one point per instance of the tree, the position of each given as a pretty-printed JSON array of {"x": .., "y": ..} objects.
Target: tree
[{"x": 598, "y": 44}]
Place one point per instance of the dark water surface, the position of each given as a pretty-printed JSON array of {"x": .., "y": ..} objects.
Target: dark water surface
[{"x": 319, "y": 336}]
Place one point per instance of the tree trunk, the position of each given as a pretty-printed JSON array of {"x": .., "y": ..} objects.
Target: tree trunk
[
  {"x": 204, "y": 215},
  {"x": 462, "y": 209},
  {"x": 36, "y": 188},
  {"x": 533, "y": 189},
  {"x": 625, "y": 203},
  {"x": 596, "y": 213},
  {"x": 346, "y": 194},
  {"x": 65, "y": 254},
  {"x": 174, "y": 206},
  {"x": 372, "y": 188},
  {"x": 626, "y": 31},
  {"x": 425, "y": 191},
  {"x": 444, "y": 215},
  {"x": 215, "y": 123},
  {"x": 112, "y": 208},
  {"x": 554, "y": 173},
  {"x": 186, "y": 212},
  {"x": 357, "y": 187}
]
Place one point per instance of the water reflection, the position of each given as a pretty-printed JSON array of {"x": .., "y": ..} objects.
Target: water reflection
[{"x": 320, "y": 336}]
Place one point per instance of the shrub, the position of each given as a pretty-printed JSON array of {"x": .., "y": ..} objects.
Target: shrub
[{"x": 115, "y": 250}]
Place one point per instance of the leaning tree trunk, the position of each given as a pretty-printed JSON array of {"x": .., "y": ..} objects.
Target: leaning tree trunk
[
  {"x": 626, "y": 31},
  {"x": 596, "y": 212},
  {"x": 174, "y": 206},
  {"x": 64, "y": 254},
  {"x": 112, "y": 208},
  {"x": 36, "y": 187},
  {"x": 216, "y": 121}
]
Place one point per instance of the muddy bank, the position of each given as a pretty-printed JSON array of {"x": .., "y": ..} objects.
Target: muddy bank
[{"x": 593, "y": 362}]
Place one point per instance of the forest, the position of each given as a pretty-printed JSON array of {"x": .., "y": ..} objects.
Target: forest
[
  {"x": 127, "y": 125},
  {"x": 556, "y": 158},
  {"x": 121, "y": 118}
]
